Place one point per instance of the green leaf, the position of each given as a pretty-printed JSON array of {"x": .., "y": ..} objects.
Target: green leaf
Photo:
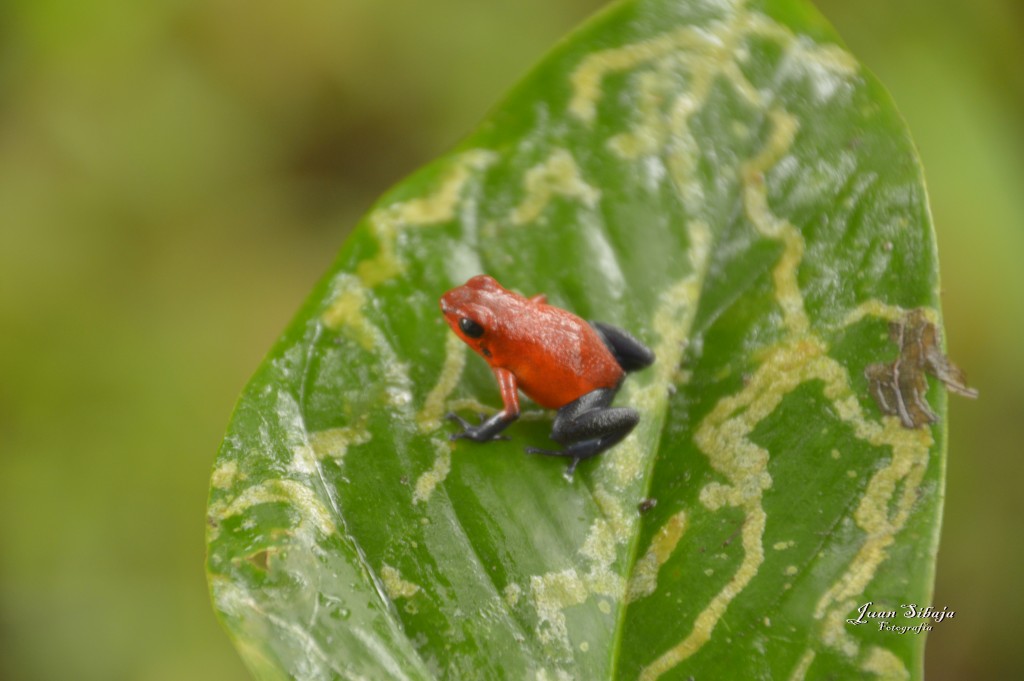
[{"x": 724, "y": 180}]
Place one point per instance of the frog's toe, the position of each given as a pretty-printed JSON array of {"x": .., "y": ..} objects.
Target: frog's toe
[{"x": 452, "y": 416}]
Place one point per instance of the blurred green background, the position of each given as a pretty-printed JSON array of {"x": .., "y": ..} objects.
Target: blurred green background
[{"x": 176, "y": 174}]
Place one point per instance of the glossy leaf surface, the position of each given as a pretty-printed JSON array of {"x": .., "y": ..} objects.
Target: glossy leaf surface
[{"x": 722, "y": 179}]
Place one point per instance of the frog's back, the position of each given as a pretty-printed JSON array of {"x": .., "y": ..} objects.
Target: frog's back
[{"x": 555, "y": 356}]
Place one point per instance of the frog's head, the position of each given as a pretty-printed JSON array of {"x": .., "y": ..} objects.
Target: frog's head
[{"x": 473, "y": 309}]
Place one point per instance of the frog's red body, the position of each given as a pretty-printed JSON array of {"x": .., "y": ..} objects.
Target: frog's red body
[
  {"x": 557, "y": 359},
  {"x": 555, "y": 356}
]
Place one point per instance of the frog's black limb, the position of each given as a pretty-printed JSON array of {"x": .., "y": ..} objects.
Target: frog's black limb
[
  {"x": 630, "y": 353},
  {"x": 488, "y": 429},
  {"x": 588, "y": 426}
]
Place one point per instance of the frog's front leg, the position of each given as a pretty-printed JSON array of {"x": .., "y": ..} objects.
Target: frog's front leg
[
  {"x": 588, "y": 426},
  {"x": 490, "y": 428}
]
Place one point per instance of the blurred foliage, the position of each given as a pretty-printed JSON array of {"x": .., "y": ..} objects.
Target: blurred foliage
[{"x": 175, "y": 175}]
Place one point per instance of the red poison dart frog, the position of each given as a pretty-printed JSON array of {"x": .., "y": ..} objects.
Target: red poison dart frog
[{"x": 557, "y": 359}]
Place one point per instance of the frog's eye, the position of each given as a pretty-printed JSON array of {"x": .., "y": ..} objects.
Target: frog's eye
[{"x": 470, "y": 328}]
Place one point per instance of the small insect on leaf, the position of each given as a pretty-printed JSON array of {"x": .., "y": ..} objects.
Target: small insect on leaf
[
  {"x": 899, "y": 387},
  {"x": 646, "y": 505}
]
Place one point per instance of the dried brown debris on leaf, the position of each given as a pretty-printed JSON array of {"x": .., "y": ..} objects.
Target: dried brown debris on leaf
[{"x": 899, "y": 387}]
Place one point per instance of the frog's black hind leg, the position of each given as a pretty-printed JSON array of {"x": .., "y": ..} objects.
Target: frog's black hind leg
[
  {"x": 631, "y": 354},
  {"x": 588, "y": 426}
]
